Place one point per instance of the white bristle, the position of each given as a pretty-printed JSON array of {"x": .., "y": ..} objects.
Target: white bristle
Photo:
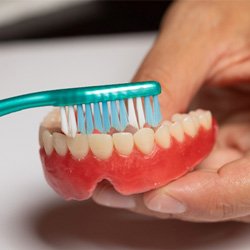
[
  {"x": 140, "y": 112},
  {"x": 72, "y": 126},
  {"x": 131, "y": 114},
  {"x": 83, "y": 107},
  {"x": 64, "y": 122},
  {"x": 92, "y": 107},
  {"x": 118, "y": 106},
  {"x": 109, "y": 107}
]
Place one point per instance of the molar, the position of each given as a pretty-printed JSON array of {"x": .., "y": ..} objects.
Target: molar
[
  {"x": 162, "y": 136},
  {"x": 78, "y": 146},
  {"x": 177, "y": 117},
  {"x": 144, "y": 140},
  {"x": 101, "y": 145},
  {"x": 41, "y": 130},
  {"x": 176, "y": 131},
  {"x": 47, "y": 142},
  {"x": 123, "y": 143},
  {"x": 209, "y": 118},
  {"x": 59, "y": 143}
]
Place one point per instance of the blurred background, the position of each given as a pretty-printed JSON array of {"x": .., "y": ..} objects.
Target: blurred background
[{"x": 59, "y": 18}]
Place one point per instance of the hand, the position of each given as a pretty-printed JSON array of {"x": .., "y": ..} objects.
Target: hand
[{"x": 202, "y": 45}]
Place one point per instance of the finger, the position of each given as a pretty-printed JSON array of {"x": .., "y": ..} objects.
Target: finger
[
  {"x": 180, "y": 60},
  {"x": 106, "y": 195},
  {"x": 206, "y": 196}
]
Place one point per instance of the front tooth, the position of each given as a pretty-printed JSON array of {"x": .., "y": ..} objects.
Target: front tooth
[
  {"x": 78, "y": 146},
  {"x": 59, "y": 143},
  {"x": 101, "y": 145},
  {"x": 47, "y": 142},
  {"x": 188, "y": 126},
  {"x": 162, "y": 136},
  {"x": 176, "y": 131},
  {"x": 123, "y": 143},
  {"x": 144, "y": 140}
]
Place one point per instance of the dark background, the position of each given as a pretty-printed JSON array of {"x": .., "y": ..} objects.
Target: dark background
[{"x": 89, "y": 18}]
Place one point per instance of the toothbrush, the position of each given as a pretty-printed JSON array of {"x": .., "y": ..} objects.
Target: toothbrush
[{"x": 97, "y": 107}]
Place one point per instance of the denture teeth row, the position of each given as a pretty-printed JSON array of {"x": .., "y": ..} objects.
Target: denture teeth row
[{"x": 102, "y": 145}]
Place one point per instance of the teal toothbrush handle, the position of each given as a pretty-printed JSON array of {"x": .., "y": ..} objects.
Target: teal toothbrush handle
[
  {"x": 83, "y": 95},
  {"x": 18, "y": 103}
]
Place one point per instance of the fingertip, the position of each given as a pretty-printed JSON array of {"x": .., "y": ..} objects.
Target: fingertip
[{"x": 106, "y": 195}]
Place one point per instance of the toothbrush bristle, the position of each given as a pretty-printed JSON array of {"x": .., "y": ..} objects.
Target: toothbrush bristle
[
  {"x": 89, "y": 119},
  {"x": 80, "y": 119},
  {"x": 97, "y": 117},
  {"x": 103, "y": 116},
  {"x": 140, "y": 112},
  {"x": 148, "y": 111},
  {"x": 132, "y": 119}
]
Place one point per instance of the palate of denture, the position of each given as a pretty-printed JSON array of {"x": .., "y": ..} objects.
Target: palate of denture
[
  {"x": 123, "y": 143},
  {"x": 144, "y": 140},
  {"x": 59, "y": 143},
  {"x": 101, "y": 145},
  {"x": 78, "y": 146},
  {"x": 47, "y": 142}
]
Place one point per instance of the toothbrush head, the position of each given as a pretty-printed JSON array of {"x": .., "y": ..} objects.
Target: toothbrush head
[{"x": 114, "y": 106}]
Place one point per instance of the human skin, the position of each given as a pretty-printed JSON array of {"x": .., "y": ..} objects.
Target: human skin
[{"x": 202, "y": 46}]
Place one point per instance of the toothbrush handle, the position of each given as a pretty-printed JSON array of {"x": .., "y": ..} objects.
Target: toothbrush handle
[{"x": 18, "y": 103}]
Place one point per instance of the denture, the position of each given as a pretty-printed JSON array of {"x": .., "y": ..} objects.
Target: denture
[{"x": 133, "y": 161}]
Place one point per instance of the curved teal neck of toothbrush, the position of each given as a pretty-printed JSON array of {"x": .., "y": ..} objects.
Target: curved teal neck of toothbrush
[{"x": 84, "y": 95}]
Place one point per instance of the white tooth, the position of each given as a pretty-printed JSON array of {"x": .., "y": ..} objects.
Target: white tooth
[
  {"x": 59, "y": 143},
  {"x": 41, "y": 130},
  {"x": 176, "y": 131},
  {"x": 195, "y": 120},
  {"x": 78, "y": 146},
  {"x": 47, "y": 142},
  {"x": 123, "y": 143},
  {"x": 162, "y": 136},
  {"x": 101, "y": 145},
  {"x": 188, "y": 126},
  {"x": 176, "y": 117},
  {"x": 204, "y": 120},
  {"x": 209, "y": 118},
  {"x": 199, "y": 111},
  {"x": 144, "y": 140}
]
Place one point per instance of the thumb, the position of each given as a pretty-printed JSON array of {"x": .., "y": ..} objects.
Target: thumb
[
  {"x": 179, "y": 64},
  {"x": 206, "y": 196}
]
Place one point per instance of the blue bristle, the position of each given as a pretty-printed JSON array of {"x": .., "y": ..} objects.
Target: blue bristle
[
  {"x": 80, "y": 119},
  {"x": 114, "y": 116},
  {"x": 97, "y": 117},
  {"x": 123, "y": 115},
  {"x": 157, "y": 111},
  {"x": 89, "y": 120},
  {"x": 105, "y": 114},
  {"x": 148, "y": 111}
]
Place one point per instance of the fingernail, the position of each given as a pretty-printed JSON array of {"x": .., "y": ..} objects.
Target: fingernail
[
  {"x": 110, "y": 198},
  {"x": 164, "y": 203}
]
